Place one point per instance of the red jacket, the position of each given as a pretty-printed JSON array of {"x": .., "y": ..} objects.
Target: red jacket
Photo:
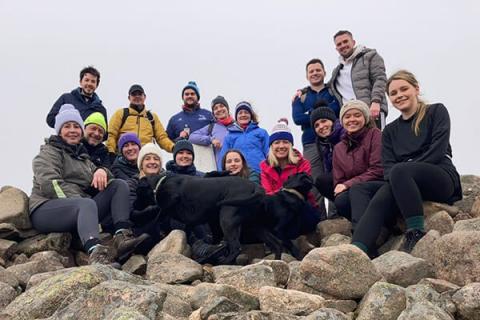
[
  {"x": 358, "y": 158},
  {"x": 272, "y": 181}
]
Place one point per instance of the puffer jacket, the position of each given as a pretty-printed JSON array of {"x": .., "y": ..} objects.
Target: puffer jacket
[
  {"x": 98, "y": 154},
  {"x": 61, "y": 171},
  {"x": 368, "y": 78},
  {"x": 190, "y": 170},
  {"x": 122, "y": 169},
  {"x": 138, "y": 123}
]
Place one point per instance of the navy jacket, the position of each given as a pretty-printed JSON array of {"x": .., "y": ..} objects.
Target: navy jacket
[
  {"x": 196, "y": 119},
  {"x": 189, "y": 171},
  {"x": 98, "y": 154}
]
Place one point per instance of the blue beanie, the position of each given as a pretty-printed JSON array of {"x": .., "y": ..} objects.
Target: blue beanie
[
  {"x": 128, "y": 137},
  {"x": 192, "y": 85},
  {"x": 281, "y": 131},
  {"x": 66, "y": 114},
  {"x": 244, "y": 105}
]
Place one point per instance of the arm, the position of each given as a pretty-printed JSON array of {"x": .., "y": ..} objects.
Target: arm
[
  {"x": 301, "y": 117},
  {"x": 388, "y": 156},
  {"x": 54, "y": 111},
  {"x": 265, "y": 146},
  {"x": 266, "y": 182},
  {"x": 201, "y": 136},
  {"x": 114, "y": 130},
  {"x": 337, "y": 172},
  {"x": 171, "y": 130},
  {"x": 378, "y": 78},
  {"x": 161, "y": 136}
]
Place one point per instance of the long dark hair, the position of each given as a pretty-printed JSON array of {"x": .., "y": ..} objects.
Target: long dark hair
[{"x": 245, "y": 172}]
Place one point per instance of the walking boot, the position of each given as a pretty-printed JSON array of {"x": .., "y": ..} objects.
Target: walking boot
[
  {"x": 411, "y": 239},
  {"x": 100, "y": 255},
  {"x": 125, "y": 243},
  {"x": 303, "y": 245},
  {"x": 203, "y": 252}
]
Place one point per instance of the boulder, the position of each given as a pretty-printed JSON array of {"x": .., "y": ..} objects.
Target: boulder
[
  {"x": 327, "y": 314},
  {"x": 250, "y": 278},
  {"x": 175, "y": 242},
  {"x": 424, "y": 247},
  {"x": 288, "y": 301},
  {"x": 14, "y": 208},
  {"x": 281, "y": 271},
  {"x": 204, "y": 293},
  {"x": 125, "y": 313},
  {"x": 11, "y": 232},
  {"x": 218, "y": 305},
  {"x": 424, "y": 311},
  {"x": 328, "y": 227},
  {"x": 335, "y": 239},
  {"x": 471, "y": 189},
  {"x": 218, "y": 271},
  {"x": 393, "y": 243},
  {"x": 430, "y": 208},
  {"x": 7, "y": 249},
  {"x": 252, "y": 315},
  {"x": 439, "y": 285},
  {"x": 59, "y": 242},
  {"x": 51, "y": 256},
  {"x": 174, "y": 305},
  {"x": 462, "y": 216},
  {"x": 173, "y": 268},
  {"x": 418, "y": 294},
  {"x": 440, "y": 221},
  {"x": 24, "y": 271},
  {"x": 40, "y": 277},
  {"x": 295, "y": 281},
  {"x": 136, "y": 264},
  {"x": 284, "y": 257},
  {"x": 401, "y": 268},
  {"x": 475, "y": 211},
  {"x": 467, "y": 301},
  {"x": 384, "y": 301},
  {"x": 467, "y": 225},
  {"x": 457, "y": 257},
  {"x": 8, "y": 278},
  {"x": 7, "y": 294},
  {"x": 331, "y": 270}
]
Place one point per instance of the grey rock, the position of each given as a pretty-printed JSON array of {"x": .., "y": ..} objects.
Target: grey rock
[
  {"x": 424, "y": 311},
  {"x": 330, "y": 270},
  {"x": 173, "y": 268},
  {"x": 430, "y": 208},
  {"x": 59, "y": 242},
  {"x": 328, "y": 227},
  {"x": 475, "y": 211},
  {"x": 426, "y": 294},
  {"x": 440, "y": 221},
  {"x": 384, "y": 301},
  {"x": 7, "y": 248},
  {"x": 8, "y": 278},
  {"x": 253, "y": 315},
  {"x": 327, "y": 314},
  {"x": 335, "y": 240},
  {"x": 467, "y": 225},
  {"x": 345, "y": 306},
  {"x": 14, "y": 208},
  {"x": 393, "y": 243},
  {"x": 288, "y": 301},
  {"x": 11, "y": 232},
  {"x": 174, "y": 305},
  {"x": 221, "y": 270},
  {"x": 439, "y": 285},
  {"x": 284, "y": 257},
  {"x": 175, "y": 242},
  {"x": 462, "y": 216},
  {"x": 218, "y": 305},
  {"x": 424, "y": 247},
  {"x": 40, "y": 277},
  {"x": 204, "y": 293},
  {"x": 7, "y": 294},
  {"x": 471, "y": 189},
  {"x": 24, "y": 271},
  {"x": 281, "y": 271},
  {"x": 125, "y": 313},
  {"x": 467, "y": 301},
  {"x": 19, "y": 259},
  {"x": 136, "y": 264},
  {"x": 295, "y": 281},
  {"x": 50, "y": 256},
  {"x": 250, "y": 278}
]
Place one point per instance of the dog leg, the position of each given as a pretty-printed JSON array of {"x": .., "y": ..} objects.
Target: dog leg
[{"x": 230, "y": 222}]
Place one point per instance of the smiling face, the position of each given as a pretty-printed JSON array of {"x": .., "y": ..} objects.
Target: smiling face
[
  {"x": 404, "y": 96},
  {"x": 281, "y": 148},
  {"x": 94, "y": 134},
  {"x": 353, "y": 121},
  {"x": 71, "y": 132},
  {"x": 151, "y": 164},
  {"x": 88, "y": 84},
  {"x": 233, "y": 163},
  {"x": 220, "y": 112},
  {"x": 315, "y": 74},
  {"x": 184, "y": 158},
  {"x": 137, "y": 98},
  {"x": 243, "y": 117},
  {"x": 190, "y": 98},
  {"x": 323, "y": 127},
  {"x": 345, "y": 45},
  {"x": 130, "y": 151}
]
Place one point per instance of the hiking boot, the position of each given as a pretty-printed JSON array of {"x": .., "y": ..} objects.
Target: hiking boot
[
  {"x": 100, "y": 255},
  {"x": 303, "y": 245},
  {"x": 203, "y": 252},
  {"x": 411, "y": 239},
  {"x": 125, "y": 243}
]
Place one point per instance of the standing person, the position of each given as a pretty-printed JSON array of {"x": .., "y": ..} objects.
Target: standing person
[
  {"x": 247, "y": 136},
  {"x": 183, "y": 157},
  {"x": 83, "y": 98},
  {"x": 234, "y": 162},
  {"x": 95, "y": 130},
  {"x": 417, "y": 159},
  {"x": 125, "y": 165},
  {"x": 191, "y": 118},
  {"x": 214, "y": 133},
  {"x": 360, "y": 75},
  {"x": 357, "y": 162},
  {"x": 136, "y": 118},
  {"x": 71, "y": 194}
]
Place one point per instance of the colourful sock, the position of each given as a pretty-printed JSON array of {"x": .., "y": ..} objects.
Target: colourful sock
[
  {"x": 363, "y": 247},
  {"x": 416, "y": 222}
]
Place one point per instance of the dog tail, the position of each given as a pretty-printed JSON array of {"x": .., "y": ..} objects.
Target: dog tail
[{"x": 254, "y": 198}]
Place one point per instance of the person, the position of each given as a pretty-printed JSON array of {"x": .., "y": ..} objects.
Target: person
[
  {"x": 95, "y": 130},
  {"x": 136, "y": 118},
  {"x": 191, "y": 118},
  {"x": 417, "y": 160},
  {"x": 183, "y": 157},
  {"x": 234, "y": 162},
  {"x": 357, "y": 165},
  {"x": 125, "y": 165},
  {"x": 214, "y": 133},
  {"x": 71, "y": 194},
  {"x": 83, "y": 98},
  {"x": 360, "y": 75},
  {"x": 247, "y": 136}
]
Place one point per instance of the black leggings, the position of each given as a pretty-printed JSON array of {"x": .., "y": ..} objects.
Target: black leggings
[
  {"x": 410, "y": 184},
  {"x": 83, "y": 214}
]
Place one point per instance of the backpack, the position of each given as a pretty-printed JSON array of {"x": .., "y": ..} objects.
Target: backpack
[{"x": 126, "y": 114}]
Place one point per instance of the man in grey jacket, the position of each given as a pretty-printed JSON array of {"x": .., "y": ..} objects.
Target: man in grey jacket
[{"x": 360, "y": 75}]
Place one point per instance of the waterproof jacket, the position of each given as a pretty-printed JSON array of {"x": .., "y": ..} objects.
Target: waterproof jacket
[
  {"x": 325, "y": 145},
  {"x": 123, "y": 169},
  {"x": 75, "y": 97},
  {"x": 189, "y": 170},
  {"x": 138, "y": 123},
  {"x": 369, "y": 80},
  {"x": 252, "y": 142},
  {"x": 194, "y": 120},
  {"x": 358, "y": 158},
  {"x": 60, "y": 171},
  {"x": 98, "y": 154},
  {"x": 272, "y": 178}
]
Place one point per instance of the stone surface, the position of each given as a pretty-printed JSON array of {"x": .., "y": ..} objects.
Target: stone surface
[
  {"x": 40, "y": 277},
  {"x": 424, "y": 311},
  {"x": 475, "y": 211},
  {"x": 253, "y": 315},
  {"x": 295, "y": 281},
  {"x": 253, "y": 251},
  {"x": 173, "y": 268},
  {"x": 462, "y": 216},
  {"x": 14, "y": 208},
  {"x": 384, "y": 301},
  {"x": 284, "y": 257},
  {"x": 328, "y": 227},
  {"x": 425, "y": 246},
  {"x": 175, "y": 242},
  {"x": 457, "y": 257},
  {"x": 204, "y": 293},
  {"x": 125, "y": 313},
  {"x": 430, "y": 208},
  {"x": 175, "y": 305},
  {"x": 470, "y": 189},
  {"x": 335, "y": 239},
  {"x": 218, "y": 271},
  {"x": 401, "y": 268},
  {"x": 218, "y": 305},
  {"x": 288, "y": 301},
  {"x": 393, "y": 243},
  {"x": 467, "y": 225},
  {"x": 8, "y": 278},
  {"x": 439, "y": 285},
  {"x": 327, "y": 314},
  {"x": 330, "y": 270},
  {"x": 51, "y": 256},
  {"x": 7, "y": 248},
  {"x": 7, "y": 295},
  {"x": 58, "y": 242},
  {"x": 249, "y": 278},
  {"x": 422, "y": 293},
  {"x": 467, "y": 301},
  {"x": 281, "y": 271},
  {"x": 11, "y": 232},
  {"x": 440, "y": 221},
  {"x": 24, "y": 271},
  {"x": 136, "y": 264}
]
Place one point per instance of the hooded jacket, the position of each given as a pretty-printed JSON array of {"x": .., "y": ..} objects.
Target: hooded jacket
[
  {"x": 326, "y": 145},
  {"x": 98, "y": 154},
  {"x": 123, "y": 169}
]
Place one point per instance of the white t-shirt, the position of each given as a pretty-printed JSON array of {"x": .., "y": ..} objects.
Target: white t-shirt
[{"x": 344, "y": 83}]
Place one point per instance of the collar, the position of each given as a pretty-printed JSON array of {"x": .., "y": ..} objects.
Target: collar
[{"x": 295, "y": 192}]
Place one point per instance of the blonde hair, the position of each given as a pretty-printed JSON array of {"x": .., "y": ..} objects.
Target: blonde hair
[
  {"x": 421, "y": 106},
  {"x": 292, "y": 158}
]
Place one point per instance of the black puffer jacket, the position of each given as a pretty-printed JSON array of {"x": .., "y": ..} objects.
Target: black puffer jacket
[{"x": 122, "y": 169}]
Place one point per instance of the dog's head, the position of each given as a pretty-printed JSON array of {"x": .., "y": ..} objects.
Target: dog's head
[{"x": 301, "y": 182}]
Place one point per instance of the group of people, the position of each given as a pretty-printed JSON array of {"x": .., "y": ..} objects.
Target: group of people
[{"x": 90, "y": 172}]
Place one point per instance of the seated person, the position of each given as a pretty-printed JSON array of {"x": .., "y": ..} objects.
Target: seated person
[
  {"x": 95, "y": 130},
  {"x": 234, "y": 162},
  {"x": 125, "y": 165},
  {"x": 183, "y": 157}
]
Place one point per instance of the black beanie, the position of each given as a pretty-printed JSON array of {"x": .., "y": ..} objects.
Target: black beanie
[
  {"x": 221, "y": 100},
  {"x": 182, "y": 145},
  {"x": 321, "y": 111}
]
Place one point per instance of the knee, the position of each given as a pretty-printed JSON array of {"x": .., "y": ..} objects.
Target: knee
[
  {"x": 119, "y": 185},
  {"x": 399, "y": 171},
  {"x": 87, "y": 206}
]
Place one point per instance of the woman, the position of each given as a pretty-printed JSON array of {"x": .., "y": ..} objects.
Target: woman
[
  {"x": 234, "y": 162},
  {"x": 357, "y": 165},
  {"x": 183, "y": 157},
  {"x": 247, "y": 137},
  {"x": 416, "y": 156},
  {"x": 214, "y": 133},
  {"x": 125, "y": 165},
  {"x": 71, "y": 194}
]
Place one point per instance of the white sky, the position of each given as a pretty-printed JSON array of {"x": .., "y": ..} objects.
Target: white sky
[{"x": 254, "y": 50}]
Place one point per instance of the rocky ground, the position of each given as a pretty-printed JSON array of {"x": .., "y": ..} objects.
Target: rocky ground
[{"x": 46, "y": 276}]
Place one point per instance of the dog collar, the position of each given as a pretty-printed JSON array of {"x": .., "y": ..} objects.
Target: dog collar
[
  {"x": 159, "y": 183},
  {"x": 295, "y": 192}
]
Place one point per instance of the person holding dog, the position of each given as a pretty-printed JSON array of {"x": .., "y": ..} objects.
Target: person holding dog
[
  {"x": 125, "y": 165},
  {"x": 417, "y": 160},
  {"x": 183, "y": 157},
  {"x": 70, "y": 193},
  {"x": 234, "y": 162}
]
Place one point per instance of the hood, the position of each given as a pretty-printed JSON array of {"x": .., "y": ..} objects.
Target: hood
[{"x": 356, "y": 51}]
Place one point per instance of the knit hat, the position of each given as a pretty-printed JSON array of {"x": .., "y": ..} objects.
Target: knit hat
[
  {"x": 67, "y": 113},
  {"x": 321, "y": 111},
  {"x": 221, "y": 100},
  {"x": 128, "y": 137},
  {"x": 244, "y": 105},
  {"x": 192, "y": 85},
  {"x": 356, "y": 104},
  {"x": 149, "y": 148},
  {"x": 98, "y": 119},
  {"x": 281, "y": 131},
  {"x": 182, "y": 145}
]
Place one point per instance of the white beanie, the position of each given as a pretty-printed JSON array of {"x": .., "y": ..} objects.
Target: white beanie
[
  {"x": 66, "y": 114},
  {"x": 356, "y": 104},
  {"x": 149, "y": 148}
]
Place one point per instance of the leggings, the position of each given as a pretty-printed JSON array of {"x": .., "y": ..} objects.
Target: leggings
[
  {"x": 410, "y": 184},
  {"x": 83, "y": 214}
]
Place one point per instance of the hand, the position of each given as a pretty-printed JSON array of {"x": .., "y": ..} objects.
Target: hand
[
  {"x": 339, "y": 188},
  {"x": 375, "y": 110},
  {"x": 183, "y": 134},
  {"x": 99, "y": 180},
  {"x": 216, "y": 143},
  {"x": 283, "y": 120},
  {"x": 297, "y": 94}
]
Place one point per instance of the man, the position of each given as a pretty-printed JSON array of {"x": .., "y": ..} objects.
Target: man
[
  {"x": 360, "y": 75},
  {"x": 83, "y": 98},
  {"x": 191, "y": 118},
  {"x": 125, "y": 165},
  {"x": 94, "y": 133},
  {"x": 136, "y": 118}
]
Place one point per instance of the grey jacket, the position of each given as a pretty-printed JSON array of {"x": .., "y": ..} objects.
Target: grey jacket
[{"x": 369, "y": 80}]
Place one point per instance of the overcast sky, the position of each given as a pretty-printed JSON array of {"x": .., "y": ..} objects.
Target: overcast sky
[{"x": 254, "y": 50}]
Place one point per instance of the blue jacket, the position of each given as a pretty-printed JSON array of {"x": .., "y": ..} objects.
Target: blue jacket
[
  {"x": 195, "y": 120},
  {"x": 325, "y": 145},
  {"x": 301, "y": 111},
  {"x": 85, "y": 108},
  {"x": 253, "y": 143}
]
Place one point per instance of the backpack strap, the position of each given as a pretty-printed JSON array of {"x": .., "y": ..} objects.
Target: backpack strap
[
  {"x": 125, "y": 115},
  {"x": 210, "y": 128}
]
